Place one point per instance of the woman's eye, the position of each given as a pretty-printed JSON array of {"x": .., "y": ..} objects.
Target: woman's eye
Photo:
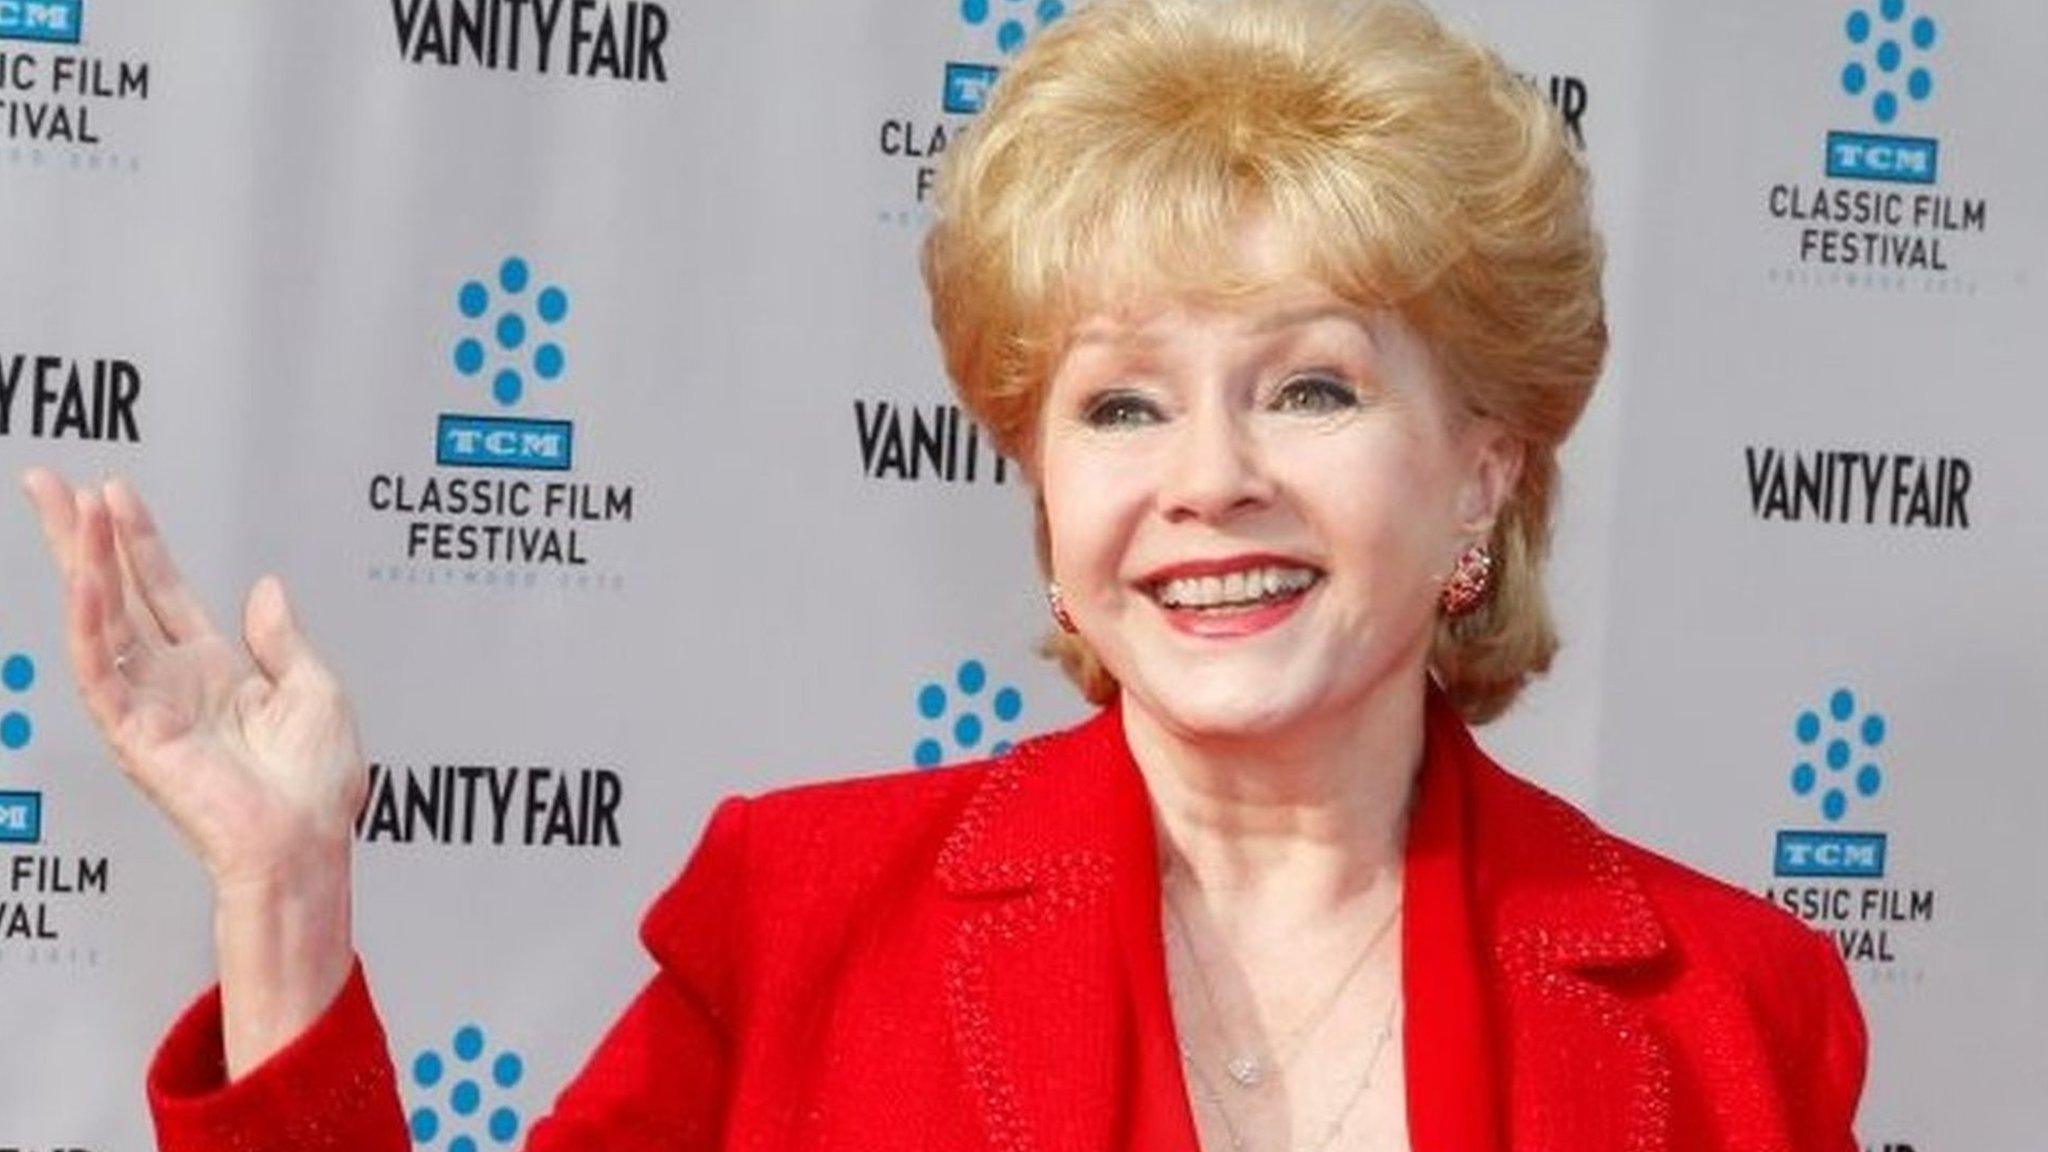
[
  {"x": 1315, "y": 394},
  {"x": 1119, "y": 410}
]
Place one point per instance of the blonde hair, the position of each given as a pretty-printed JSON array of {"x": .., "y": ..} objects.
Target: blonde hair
[{"x": 1125, "y": 149}]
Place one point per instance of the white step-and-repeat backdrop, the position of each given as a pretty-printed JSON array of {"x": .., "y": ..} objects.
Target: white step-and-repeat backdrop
[{"x": 569, "y": 361}]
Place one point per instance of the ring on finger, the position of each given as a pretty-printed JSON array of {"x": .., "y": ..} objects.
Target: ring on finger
[{"x": 122, "y": 658}]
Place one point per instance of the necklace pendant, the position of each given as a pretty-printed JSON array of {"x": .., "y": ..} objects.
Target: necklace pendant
[{"x": 1246, "y": 1071}]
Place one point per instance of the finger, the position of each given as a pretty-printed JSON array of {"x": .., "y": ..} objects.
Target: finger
[
  {"x": 56, "y": 513},
  {"x": 273, "y": 635},
  {"x": 96, "y": 555},
  {"x": 169, "y": 599},
  {"x": 106, "y": 692}
]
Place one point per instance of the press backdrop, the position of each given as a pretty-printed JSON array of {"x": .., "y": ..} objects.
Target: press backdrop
[{"x": 569, "y": 361}]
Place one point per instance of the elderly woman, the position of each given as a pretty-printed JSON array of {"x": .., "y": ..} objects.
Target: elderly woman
[{"x": 1284, "y": 306}]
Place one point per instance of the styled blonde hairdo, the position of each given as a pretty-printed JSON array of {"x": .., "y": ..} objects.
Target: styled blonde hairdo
[{"x": 1122, "y": 153}]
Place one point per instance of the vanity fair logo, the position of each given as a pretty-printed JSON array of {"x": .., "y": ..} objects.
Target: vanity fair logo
[
  {"x": 508, "y": 503},
  {"x": 465, "y": 1097},
  {"x": 48, "y": 397},
  {"x": 1839, "y": 875},
  {"x": 63, "y": 107},
  {"x": 1882, "y": 212},
  {"x": 930, "y": 443},
  {"x": 1858, "y": 488},
  {"x": 619, "y": 40},
  {"x": 470, "y": 805}
]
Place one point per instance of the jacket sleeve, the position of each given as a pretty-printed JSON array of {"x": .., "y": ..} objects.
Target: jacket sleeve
[
  {"x": 656, "y": 1081},
  {"x": 1840, "y": 1048}
]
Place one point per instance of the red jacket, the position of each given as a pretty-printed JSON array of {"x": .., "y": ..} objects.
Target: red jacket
[{"x": 971, "y": 958}]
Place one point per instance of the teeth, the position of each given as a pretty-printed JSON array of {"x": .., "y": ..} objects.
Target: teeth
[{"x": 1247, "y": 587}]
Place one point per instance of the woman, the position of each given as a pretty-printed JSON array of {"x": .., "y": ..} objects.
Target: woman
[{"x": 1284, "y": 307}]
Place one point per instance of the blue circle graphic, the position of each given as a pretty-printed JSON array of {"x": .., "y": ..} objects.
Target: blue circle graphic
[
  {"x": 967, "y": 730},
  {"x": 511, "y": 331},
  {"x": 508, "y": 387},
  {"x": 928, "y": 753},
  {"x": 1854, "y": 78},
  {"x": 1808, "y": 728},
  {"x": 1838, "y": 754},
  {"x": 1873, "y": 730},
  {"x": 553, "y": 304},
  {"x": 1834, "y": 805},
  {"x": 1050, "y": 10},
  {"x": 1885, "y": 107},
  {"x": 1889, "y": 55},
  {"x": 469, "y": 1042},
  {"x": 425, "y": 1125},
  {"x": 462, "y": 1143},
  {"x": 426, "y": 1069},
  {"x": 506, "y": 1070},
  {"x": 931, "y": 702},
  {"x": 513, "y": 275},
  {"x": 1842, "y": 704},
  {"x": 1803, "y": 778},
  {"x": 1920, "y": 84},
  {"x": 473, "y": 299},
  {"x": 999, "y": 747},
  {"x": 504, "y": 1125},
  {"x": 1010, "y": 36},
  {"x": 1923, "y": 33},
  {"x": 972, "y": 677},
  {"x": 1892, "y": 9},
  {"x": 1869, "y": 779},
  {"x": 469, "y": 356},
  {"x": 466, "y": 1098},
  {"x": 15, "y": 731},
  {"x": 548, "y": 361},
  {"x": 1009, "y": 704},
  {"x": 19, "y": 673},
  {"x": 974, "y": 11},
  {"x": 1859, "y": 26}
]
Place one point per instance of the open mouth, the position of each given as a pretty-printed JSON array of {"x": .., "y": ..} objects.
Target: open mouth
[{"x": 1248, "y": 590}]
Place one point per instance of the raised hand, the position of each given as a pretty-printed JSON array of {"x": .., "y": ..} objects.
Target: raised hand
[{"x": 248, "y": 746}]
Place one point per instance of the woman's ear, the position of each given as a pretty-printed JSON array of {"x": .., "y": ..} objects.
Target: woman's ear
[{"x": 1495, "y": 469}]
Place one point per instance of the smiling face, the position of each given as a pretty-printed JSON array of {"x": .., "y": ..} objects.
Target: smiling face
[{"x": 1251, "y": 507}]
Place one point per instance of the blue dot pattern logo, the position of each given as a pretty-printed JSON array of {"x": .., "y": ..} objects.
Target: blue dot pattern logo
[
  {"x": 970, "y": 720},
  {"x": 17, "y": 676},
  {"x": 1014, "y": 22},
  {"x": 1885, "y": 63},
  {"x": 1838, "y": 754},
  {"x": 458, "y": 1086},
  {"x": 512, "y": 333}
]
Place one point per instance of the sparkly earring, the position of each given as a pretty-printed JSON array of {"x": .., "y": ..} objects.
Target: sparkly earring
[
  {"x": 1058, "y": 605},
  {"x": 1469, "y": 583}
]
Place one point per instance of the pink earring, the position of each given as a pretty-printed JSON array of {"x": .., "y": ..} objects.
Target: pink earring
[
  {"x": 1470, "y": 582},
  {"x": 1058, "y": 604}
]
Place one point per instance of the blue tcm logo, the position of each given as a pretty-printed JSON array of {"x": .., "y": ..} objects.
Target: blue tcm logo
[
  {"x": 969, "y": 719},
  {"x": 49, "y": 21},
  {"x": 1887, "y": 69},
  {"x": 1837, "y": 761},
  {"x": 1013, "y": 23},
  {"x": 511, "y": 338},
  {"x": 21, "y": 817},
  {"x": 466, "y": 1090}
]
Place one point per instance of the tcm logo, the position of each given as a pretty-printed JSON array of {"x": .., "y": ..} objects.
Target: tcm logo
[
  {"x": 49, "y": 21},
  {"x": 1886, "y": 72},
  {"x": 967, "y": 87},
  {"x": 455, "y": 1086},
  {"x": 21, "y": 817},
  {"x": 511, "y": 336},
  {"x": 1837, "y": 760},
  {"x": 965, "y": 717}
]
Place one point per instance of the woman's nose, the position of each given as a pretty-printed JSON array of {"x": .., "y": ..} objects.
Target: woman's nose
[{"x": 1214, "y": 468}]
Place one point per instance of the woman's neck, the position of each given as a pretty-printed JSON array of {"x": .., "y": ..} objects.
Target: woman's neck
[{"x": 1289, "y": 828}]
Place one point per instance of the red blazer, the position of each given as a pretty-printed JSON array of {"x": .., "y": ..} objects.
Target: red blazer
[{"x": 971, "y": 959}]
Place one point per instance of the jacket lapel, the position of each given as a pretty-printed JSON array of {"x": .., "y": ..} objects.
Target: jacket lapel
[
  {"x": 1058, "y": 1031},
  {"x": 1567, "y": 932}
]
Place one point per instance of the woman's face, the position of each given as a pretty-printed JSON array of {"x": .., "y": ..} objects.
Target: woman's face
[{"x": 1251, "y": 508}]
